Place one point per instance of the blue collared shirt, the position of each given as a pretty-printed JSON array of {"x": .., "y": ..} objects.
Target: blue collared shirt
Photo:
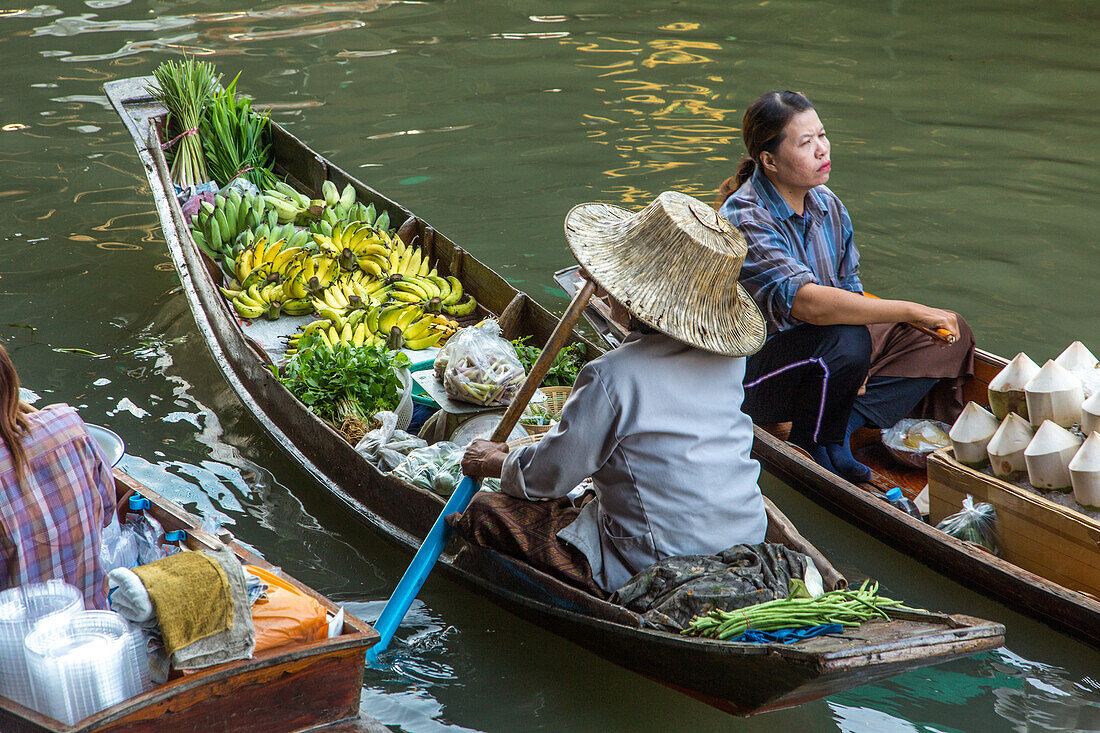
[{"x": 786, "y": 250}]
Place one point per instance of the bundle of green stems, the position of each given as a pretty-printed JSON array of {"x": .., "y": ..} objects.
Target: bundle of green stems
[
  {"x": 846, "y": 607},
  {"x": 184, "y": 87}
]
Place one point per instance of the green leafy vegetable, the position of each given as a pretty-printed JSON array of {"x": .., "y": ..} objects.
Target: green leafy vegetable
[
  {"x": 563, "y": 370},
  {"x": 347, "y": 381},
  {"x": 237, "y": 139},
  {"x": 184, "y": 88}
]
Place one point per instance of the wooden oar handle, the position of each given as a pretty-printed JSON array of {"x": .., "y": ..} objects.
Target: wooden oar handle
[
  {"x": 938, "y": 333},
  {"x": 542, "y": 365}
]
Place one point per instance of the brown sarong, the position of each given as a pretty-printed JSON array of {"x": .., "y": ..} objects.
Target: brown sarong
[
  {"x": 899, "y": 350},
  {"x": 528, "y": 530}
]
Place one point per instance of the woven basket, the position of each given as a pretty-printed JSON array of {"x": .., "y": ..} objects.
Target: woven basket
[
  {"x": 526, "y": 440},
  {"x": 555, "y": 400}
]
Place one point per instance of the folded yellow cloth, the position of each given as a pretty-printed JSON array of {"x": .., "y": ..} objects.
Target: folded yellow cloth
[{"x": 190, "y": 594}]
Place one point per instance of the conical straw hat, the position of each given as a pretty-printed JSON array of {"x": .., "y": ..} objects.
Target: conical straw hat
[{"x": 674, "y": 266}]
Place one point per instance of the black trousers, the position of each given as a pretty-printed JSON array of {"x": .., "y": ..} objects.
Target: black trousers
[{"x": 808, "y": 375}]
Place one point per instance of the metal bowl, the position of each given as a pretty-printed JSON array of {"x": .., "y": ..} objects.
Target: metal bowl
[{"x": 113, "y": 446}]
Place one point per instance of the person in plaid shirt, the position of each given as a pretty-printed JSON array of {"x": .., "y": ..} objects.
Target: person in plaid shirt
[
  {"x": 834, "y": 360},
  {"x": 56, "y": 495}
]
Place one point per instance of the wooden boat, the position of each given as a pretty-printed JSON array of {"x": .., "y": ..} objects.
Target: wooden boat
[
  {"x": 313, "y": 686},
  {"x": 1057, "y": 596},
  {"x": 743, "y": 678}
]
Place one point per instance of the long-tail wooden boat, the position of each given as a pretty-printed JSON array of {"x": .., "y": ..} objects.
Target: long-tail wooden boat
[
  {"x": 739, "y": 677},
  {"x": 311, "y": 686},
  {"x": 1046, "y": 596}
]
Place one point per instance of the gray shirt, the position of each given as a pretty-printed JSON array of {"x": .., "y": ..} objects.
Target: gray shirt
[{"x": 658, "y": 426}]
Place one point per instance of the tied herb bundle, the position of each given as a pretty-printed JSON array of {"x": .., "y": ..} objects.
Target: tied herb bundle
[
  {"x": 184, "y": 88},
  {"x": 237, "y": 139},
  {"x": 563, "y": 370},
  {"x": 846, "y": 607},
  {"x": 346, "y": 382}
]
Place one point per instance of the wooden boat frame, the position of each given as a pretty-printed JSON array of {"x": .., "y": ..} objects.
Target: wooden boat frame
[
  {"x": 741, "y": 678},
  {"x": 314, "y": 686}
]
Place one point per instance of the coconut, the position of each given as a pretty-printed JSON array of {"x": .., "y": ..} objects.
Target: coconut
[
  {"x": 1084, "y": 472},
  {"x": 1054, "y": 394},
  {"x": 1006, "y": 390},
  {"x": 1006, "y": 447},
  {"x": 1076, "y": 356},
  {"x": 1048, "y": 455},
  {"x": 971, "y": 433},
  {"x": 1090, "y": 414}
]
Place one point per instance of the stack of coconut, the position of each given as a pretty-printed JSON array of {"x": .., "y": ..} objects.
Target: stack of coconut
[{"x": 1036, "y": 427}]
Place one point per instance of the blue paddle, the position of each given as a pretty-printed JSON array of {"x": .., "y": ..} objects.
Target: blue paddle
[{"x": 432, "y": 546}]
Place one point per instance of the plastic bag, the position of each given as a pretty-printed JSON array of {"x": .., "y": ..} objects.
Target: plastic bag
[
  {"x": 436, "y": 468},
  {"x": 286, "y": 615},
  {"x": 146, "y": 532},
  {"x": 483, "y": 368},
  {"x": 977, "y": 522},
  {"x": 117, "y": 549},
  {"x": 387, "y": 447},
  {"x": 443, "y": 357}
]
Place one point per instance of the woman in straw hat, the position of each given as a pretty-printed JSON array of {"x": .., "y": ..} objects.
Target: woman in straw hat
[
  {"x": 656, "y": 423},
  {"x": 834, "y": 360}
]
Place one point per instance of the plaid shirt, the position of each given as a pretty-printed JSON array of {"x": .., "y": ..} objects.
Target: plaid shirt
[
  {"x": 786, "y": 250},
  {"x": 51, "y": 526}
]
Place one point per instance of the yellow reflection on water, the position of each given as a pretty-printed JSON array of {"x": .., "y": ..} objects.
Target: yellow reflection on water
[{"x": 657, "y": 119}]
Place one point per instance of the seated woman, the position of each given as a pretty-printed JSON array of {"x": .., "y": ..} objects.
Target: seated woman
[
  {"x": 834, "y": 360},
  {"x": 669, "y": 462},
  {"x": 56, "y": 495}
]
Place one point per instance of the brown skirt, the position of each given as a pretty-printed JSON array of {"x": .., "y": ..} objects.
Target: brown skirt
[
  {"x": 528, "y": 530},
  {"x": 899, "y": 350}
]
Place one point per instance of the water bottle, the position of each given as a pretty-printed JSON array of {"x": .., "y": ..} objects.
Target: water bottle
[
  {"x": 146, "y": 529},
  {"x": 898, "y": 499},
  {"x": 173, "y": 541}
]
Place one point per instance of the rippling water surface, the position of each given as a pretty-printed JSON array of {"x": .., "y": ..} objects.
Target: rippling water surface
[{"x": 964, "y": 144}]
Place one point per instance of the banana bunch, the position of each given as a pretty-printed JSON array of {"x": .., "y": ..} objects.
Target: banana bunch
[
  {"x": 341, "y": 206},
  {"x": 256, "y": 301},
  {"x": 260, "y": 273},
  {"x": 333, "y": 329},
  {"x": 309, "y": 274},
  {"x": 357, "y": 246},
  {"x": 218, "y": 225},
  {"x": 352, "y": 291},
  {"x": 291, "y": 206}
]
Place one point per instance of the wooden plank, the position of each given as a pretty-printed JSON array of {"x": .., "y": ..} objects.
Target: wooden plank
[{"x": 1033, "y": 532}]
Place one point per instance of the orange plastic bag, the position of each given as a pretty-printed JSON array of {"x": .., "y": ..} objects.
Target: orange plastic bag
[{"x": 286, "y": 616}]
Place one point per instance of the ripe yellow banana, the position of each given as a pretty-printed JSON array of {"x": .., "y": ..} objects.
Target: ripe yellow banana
[{"x": 456, "y": 291}]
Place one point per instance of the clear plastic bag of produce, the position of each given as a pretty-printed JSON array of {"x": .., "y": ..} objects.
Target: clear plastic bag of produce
[
  {"x": 436, "y": 468},
  {"x": 977, "y": 522},
  {"x": 386, "y": 446},
  {"x": 483, "y": 368},
  {"x": 443, "y": 356}
]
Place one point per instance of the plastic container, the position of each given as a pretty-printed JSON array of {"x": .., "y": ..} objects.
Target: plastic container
[
  {"x": 83, "y": 663},
  {"x": 898, "y": 499},
  {"x": 20, "y": 609}
]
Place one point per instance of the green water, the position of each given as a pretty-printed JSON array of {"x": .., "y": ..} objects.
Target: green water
[{"x": 963, "y": 144}]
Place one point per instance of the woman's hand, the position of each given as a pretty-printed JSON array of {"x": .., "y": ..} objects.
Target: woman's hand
[
  {"x": 934, "y": 318},
  {"x": 484, "y": 459}
]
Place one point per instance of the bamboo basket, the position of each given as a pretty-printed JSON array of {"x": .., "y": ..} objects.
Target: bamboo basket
[
  {"x": 525, "y": 440},
  {"x": 555, "y": 400}
]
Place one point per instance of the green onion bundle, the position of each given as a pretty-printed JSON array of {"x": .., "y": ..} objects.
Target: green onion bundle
[
  {"x": 184, "y": 88},
  {"x": 236, "y": 139},
  {"x": 846, "y": 607}
]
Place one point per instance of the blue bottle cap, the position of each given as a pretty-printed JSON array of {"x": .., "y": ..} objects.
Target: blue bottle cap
[
  {"x": 137, "y": 502},
  {"x": 175, "y": 535},
  {"x": 893, "y": 494}
]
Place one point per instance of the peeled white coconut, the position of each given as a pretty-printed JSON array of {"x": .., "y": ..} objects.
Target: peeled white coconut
[
  {"x": 1076, "y": 356},
  {"x": 1006, "y": 390},
  {"x": 1090, "y": 414},
  {"x": 1048, "y": 455},
  {"x": 971, "y": 433},
  {"x": 1006, "y": 447},
  {"x": 1084, "y": 472},
  {"x": 1054, "y": 394}
]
